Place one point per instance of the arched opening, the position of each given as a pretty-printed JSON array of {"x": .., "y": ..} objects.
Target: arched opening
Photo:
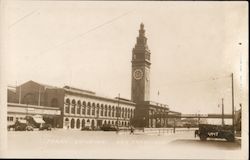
[
  {"x": 78, "y": 110},
  {"x": 83, "y": 107},
  {"x": 78, "y": 123},
  {"x": 72, "y": 124},
  {"x": 93, "y": 108},
  {"x": 122, "y": 113},
  {"x": 66, "y": 124},
  {"x": 101, "y": 109},
  {"x": 83, "y": 123},
  {"x": 97, "y": 109},
  {"x": 113, "y": 112},
  {"x": 105, "y": 110},
  {"x": 109, "y": 111},
  {"x": 73, "y": 108},
  {"x": 89, "y": 107},
  {"x": 125, "y": 113},
  {"x": 67, "y": 105}
]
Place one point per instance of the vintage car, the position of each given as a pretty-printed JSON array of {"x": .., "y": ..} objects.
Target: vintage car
[
  {"x": 45, "y": 126},
  {"x": 215, "y": 131},
  {"x": 109, "y": 127},
  {"x": 37, "y": 122},
  {"x": 21, "y": 125}
]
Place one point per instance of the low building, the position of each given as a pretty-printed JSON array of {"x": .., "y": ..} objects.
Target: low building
[
  {"x": 78, "y": 108},
  {"x": 16, "y": 111}
]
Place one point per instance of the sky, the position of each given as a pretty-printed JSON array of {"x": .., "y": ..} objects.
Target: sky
[{"x": 195, "y": 46}]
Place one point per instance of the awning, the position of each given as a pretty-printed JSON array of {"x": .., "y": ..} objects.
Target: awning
[
  {"x": 22, "y": 120},
  {"x": 38, "y": 120}
]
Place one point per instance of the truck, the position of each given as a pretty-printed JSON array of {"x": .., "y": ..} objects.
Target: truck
[
  {"x": 37, "y": 122},
  {"x": 215, "y": 131}
]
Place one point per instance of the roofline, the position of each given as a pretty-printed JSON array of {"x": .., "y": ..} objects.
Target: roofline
[
  {"x": 31, "y": 106},
  {"x": 103, "y": 98}
]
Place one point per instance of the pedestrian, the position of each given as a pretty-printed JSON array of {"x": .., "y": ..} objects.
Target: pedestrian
[{"x": 132, "y": 130}]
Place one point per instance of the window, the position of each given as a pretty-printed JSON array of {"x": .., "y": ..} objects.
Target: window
[
  {"x": 78, "y": 109},
  {"x": 93, "y": 108},
  {"x": 83, "y": 107},
  {"x": 83, "y": 110},
  {"x": 88, "y": 109},
  {"x": 101, "y": 109},
  {"x": 73, "y": 107},
  {"x": 10, "y": 119},
  {"x": 105, "y": 110}
]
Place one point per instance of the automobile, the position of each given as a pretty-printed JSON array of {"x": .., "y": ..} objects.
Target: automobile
[
  {"x": 21, "y": 125},
  {"x": 86, "y": 128},
  {"x": 215, "y": 131},
  {"x": 109, "y": 127},
  {"x": 45, "y": 126}
]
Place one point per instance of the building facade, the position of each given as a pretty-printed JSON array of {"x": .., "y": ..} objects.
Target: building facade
[
  {"x": 78, "y": 108},
  {"x": 84, "y": 108}
]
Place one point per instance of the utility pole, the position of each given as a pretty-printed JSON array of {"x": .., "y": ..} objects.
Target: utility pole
[
  {"x": 233, "y": 102},
  {"x": 222, "y": 111}
]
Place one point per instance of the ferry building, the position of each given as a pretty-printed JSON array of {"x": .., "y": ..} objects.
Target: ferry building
[{"x": 73, "y": 108}]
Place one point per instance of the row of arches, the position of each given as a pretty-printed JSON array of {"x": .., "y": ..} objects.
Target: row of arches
[
  {"x": 77, "y": 123},
  {"x": 96, "y": 109}
]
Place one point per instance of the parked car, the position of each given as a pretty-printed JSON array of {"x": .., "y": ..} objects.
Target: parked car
[
  {"x": 21, "y": 125},
  {"x": 86, "y": 128},
  {"x": 109, "y": 128},
  {"x": 215, "y": 131},
  {"x": 45, "y": 126}
]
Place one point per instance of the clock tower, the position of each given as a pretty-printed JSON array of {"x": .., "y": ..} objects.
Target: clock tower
[{"x": 140, "y": 89}]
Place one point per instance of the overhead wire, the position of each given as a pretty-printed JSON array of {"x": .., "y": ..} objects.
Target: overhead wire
[
  {"x": 199, "y": 81},
  {"x": 90, "y": 30}
]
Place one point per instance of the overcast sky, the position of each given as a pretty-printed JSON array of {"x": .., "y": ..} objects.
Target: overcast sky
[{"x": 195, "y": 46}]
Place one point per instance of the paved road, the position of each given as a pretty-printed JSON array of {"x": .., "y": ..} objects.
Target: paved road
[{"x": 99, "y": 144}]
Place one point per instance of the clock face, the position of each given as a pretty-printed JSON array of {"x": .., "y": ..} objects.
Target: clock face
[{"x": 138, "y": 74}]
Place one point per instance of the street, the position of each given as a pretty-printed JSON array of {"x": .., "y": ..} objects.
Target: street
[{"x": 100, "y": 144}]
